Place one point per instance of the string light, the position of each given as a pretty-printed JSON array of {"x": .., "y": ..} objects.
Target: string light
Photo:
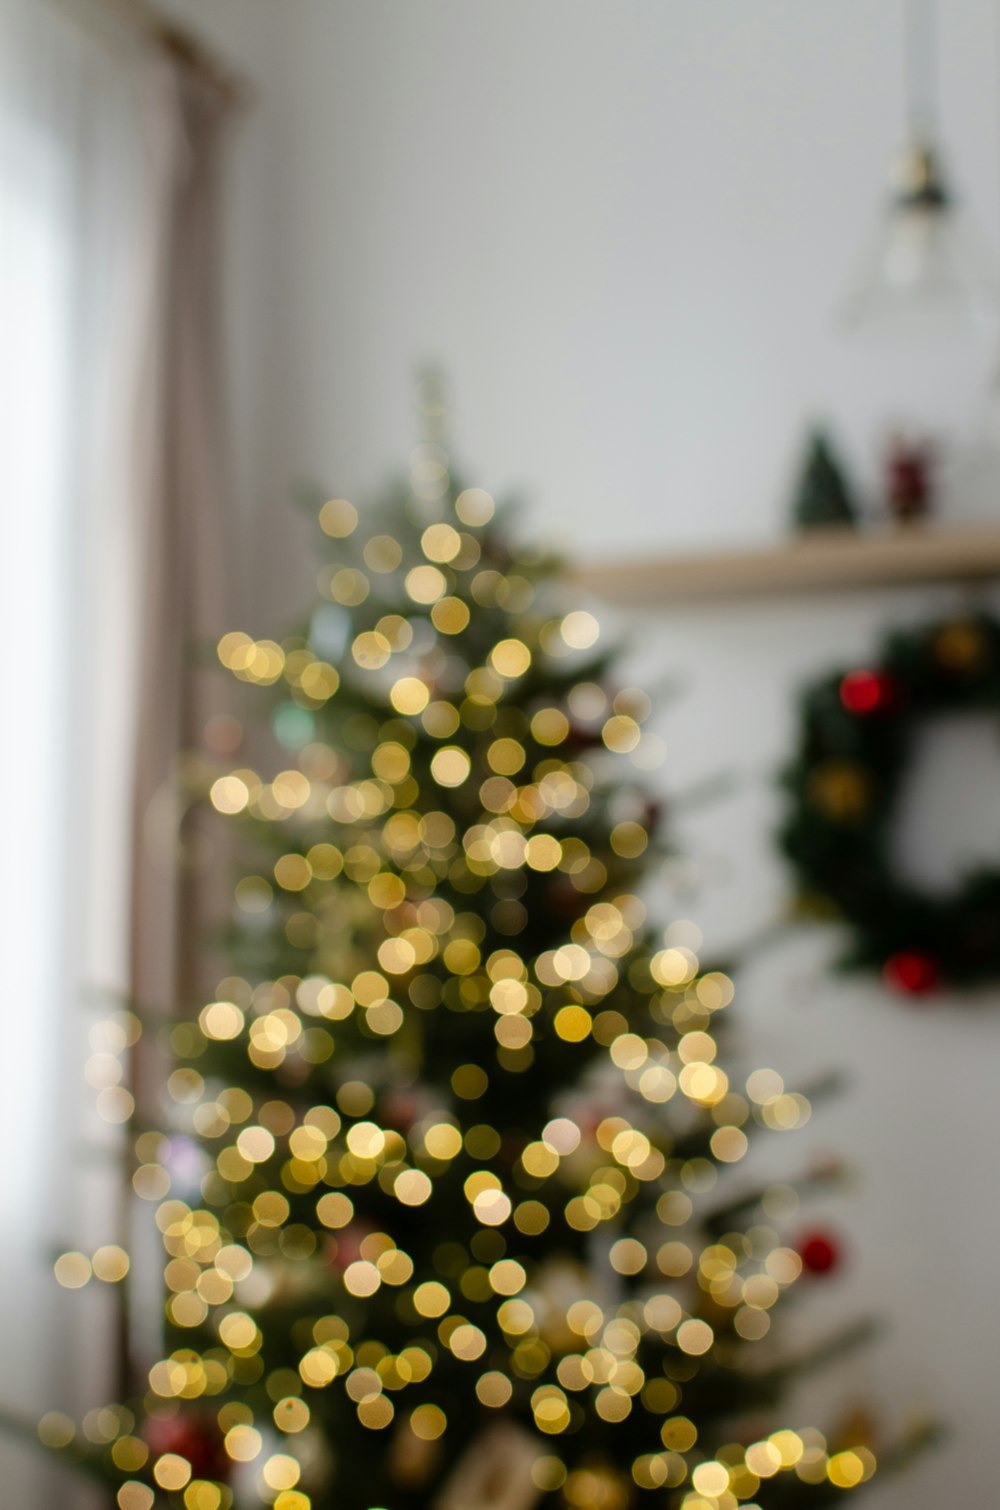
[{"x": 452, "y": 1124}]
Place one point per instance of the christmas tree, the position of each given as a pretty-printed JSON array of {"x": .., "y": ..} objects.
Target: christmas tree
[
  {"x": 454, "y": 1221},
  {"x": 822, "y": 496}
]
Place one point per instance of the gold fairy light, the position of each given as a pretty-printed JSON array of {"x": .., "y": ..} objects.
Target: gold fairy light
[
  {"x": 426, "y": 584},
  {"x": 450, "y": 766},
  {"x": 110, "y": 1264},
  {"x": 338, "y": 518},
  {"x": 431, "y": 1298},
  {"x": 580, "y": 629},
  {"x": 73, "y": 1270},
  {"x": 243, "y": 1443},
  {"x": 409, "y": 695},
  {"x": 474, "y": 507},
  {"x": 441, "y": 542},
  {"x": 382, "y": 553},
  {"x": 445, "y": 909}
]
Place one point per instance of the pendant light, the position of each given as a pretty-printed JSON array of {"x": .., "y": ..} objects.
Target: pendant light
[{"x": 925, "y": 262}]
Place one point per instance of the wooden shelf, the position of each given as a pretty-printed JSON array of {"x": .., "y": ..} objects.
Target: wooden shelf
[{"x": 828, "y": 560}]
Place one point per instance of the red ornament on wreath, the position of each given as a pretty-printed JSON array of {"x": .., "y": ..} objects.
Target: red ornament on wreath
[
  {"x": 868, "y": 692},
  {"x": 912, "y": 973},
  {"x": 820, "y": 1253}
]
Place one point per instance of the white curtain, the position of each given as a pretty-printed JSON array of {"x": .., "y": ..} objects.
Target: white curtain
[{"x": 71, "y": 209}]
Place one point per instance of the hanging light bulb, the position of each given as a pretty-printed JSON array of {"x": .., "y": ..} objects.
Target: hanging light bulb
[{"x": 925, "y": 261}]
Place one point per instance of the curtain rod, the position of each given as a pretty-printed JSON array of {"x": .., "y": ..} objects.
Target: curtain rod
[{"x": 144, "y": 19}]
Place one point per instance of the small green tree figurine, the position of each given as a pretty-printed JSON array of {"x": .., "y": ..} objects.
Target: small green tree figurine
[{"x": 822, "y": 497}]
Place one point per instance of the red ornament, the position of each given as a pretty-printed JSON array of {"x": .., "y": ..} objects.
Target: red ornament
[
  {"x": 867, "y": 692},
  {"x": 565, "y": 901},
  {"x": 345, "y": 1248},
  {"x": 193, "y": 1438},
  {"x": 580, "y": 738},
  {"x": 819, "y": 1253},
  {"x": 652, "y": 815},
  {"x": 400, "y": 1109},
  {"x": 911, "y": 972}
]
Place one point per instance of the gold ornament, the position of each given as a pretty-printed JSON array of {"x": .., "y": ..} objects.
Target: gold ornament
[
  {"x": 841, "y": 790},
  {"x": 960, "y": 647}
]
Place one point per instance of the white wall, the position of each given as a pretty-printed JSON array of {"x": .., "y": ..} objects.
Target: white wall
[{"x": 622, "y": 229}]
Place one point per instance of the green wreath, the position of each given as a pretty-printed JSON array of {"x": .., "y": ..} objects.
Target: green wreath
[{"x": 855, "y": 740}]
